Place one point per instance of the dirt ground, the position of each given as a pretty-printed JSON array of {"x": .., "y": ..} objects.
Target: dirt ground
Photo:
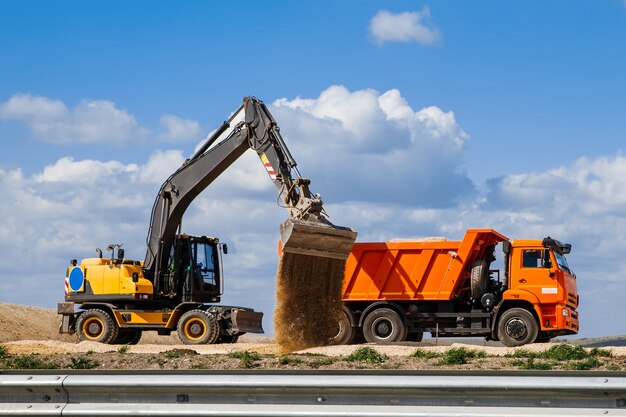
[{"x": 29, "y": 339}]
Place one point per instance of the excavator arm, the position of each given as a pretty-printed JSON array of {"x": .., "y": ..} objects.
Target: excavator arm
[{"x": 306, "y": 231}]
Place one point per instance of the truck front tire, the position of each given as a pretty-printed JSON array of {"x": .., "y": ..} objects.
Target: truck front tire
[
  {"x": 384, "y": 325},
  {"x": 517, "y": 327}
]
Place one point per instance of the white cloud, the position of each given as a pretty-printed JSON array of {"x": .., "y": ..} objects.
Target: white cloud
[
  {"x": 404, "y": 27},
  {"x": 353, "y": 144},
  {"x": 91, "y": 121},
  {"x": 82, "y": 172},
  {"x": 177, "y": 129}
]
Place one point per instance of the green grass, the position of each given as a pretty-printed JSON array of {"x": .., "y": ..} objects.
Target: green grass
[
  {"x": 82, "y": 363},
  {"x": 287, "y": 360},
  {"x": 368, "y": 355},
  {"x": 425, "y": 354},
  {"x": 604, "y": 353},
  {"x": 246, "y": 358},
  {"x": 172, "y": 354},
  {"x": 123, "y": 350},
  {"x": 29, "y": 362},
  {"x": 565, "y": 352},
  {"x": 585, "y": 365},
  {"x": 460, "y": 356}
]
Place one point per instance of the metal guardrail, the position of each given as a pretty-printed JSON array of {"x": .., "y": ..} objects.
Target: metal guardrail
[{"x": 311, "y": 394}]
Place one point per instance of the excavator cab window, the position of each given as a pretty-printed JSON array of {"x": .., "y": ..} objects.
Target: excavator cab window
[{"x": 204, "y": 267}]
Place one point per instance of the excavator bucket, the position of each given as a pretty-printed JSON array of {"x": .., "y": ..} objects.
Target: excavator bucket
[
  {"x": 246, "y": 321},
  {"x": 315, "y": 238}
]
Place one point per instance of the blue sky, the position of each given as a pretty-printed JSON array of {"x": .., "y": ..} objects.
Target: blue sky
[{"x": 475, "y": 114}]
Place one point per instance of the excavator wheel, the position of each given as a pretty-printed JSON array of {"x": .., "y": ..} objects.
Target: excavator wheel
[
  {"x": 197, "y": 327},
  {"x": 96, "y": 326}
]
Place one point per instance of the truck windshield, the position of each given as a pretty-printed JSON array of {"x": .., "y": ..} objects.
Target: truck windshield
[{"x": 562, "y": 262}]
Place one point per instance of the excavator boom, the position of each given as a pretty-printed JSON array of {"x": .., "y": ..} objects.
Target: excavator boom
[{"x": 307, "y": 230}]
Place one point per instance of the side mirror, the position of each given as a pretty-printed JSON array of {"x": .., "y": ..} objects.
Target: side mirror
[
  {"x": 225, "y": 248},
  {"x": 120, "y": 254}
]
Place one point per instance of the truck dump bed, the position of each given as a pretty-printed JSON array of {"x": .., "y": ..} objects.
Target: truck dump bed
[{"x": 415, "y": 270}]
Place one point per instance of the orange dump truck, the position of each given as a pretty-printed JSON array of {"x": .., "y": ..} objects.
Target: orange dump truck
[{"x": 397, "y": 290}]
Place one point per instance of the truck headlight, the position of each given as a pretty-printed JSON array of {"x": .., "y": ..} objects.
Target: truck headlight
[{"x": 565, "y": 313}]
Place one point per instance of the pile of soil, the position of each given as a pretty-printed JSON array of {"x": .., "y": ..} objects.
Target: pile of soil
[
  {"x": 308, "y": 300},
  {"x": 29, "y": 323}
]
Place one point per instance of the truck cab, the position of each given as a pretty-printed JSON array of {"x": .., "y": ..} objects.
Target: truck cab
[{"x": 540, "y": 280}]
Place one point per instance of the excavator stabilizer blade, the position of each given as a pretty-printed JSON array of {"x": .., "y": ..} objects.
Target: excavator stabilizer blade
[
  {"x": 246, "y": 321},
  {"x": 316, "y": 239}
]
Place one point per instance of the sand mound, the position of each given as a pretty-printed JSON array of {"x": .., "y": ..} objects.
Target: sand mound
[{"x": 19, "y": 322}]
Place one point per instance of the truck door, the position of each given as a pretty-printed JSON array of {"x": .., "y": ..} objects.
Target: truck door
[{"x": 536, "y": 275}]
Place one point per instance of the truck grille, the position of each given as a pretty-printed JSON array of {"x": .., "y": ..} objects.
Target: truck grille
[{"x": 572, "y": 299}]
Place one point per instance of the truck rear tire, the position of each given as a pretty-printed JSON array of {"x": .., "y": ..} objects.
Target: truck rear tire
[
  {"x": 96, "y": 326},
  {"x": 384, "y": 325},
  {"x": 480, "y": 278},
  {"x": 197, "y": 327},
  {"x": 345, "y": 332},
  {"x": 517, "y": 327}
]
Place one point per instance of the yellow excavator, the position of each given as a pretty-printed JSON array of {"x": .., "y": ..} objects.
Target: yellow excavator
[{"x": 177, "y": 287}]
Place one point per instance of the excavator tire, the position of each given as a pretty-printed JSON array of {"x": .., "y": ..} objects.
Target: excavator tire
[
  {"x": 96, "y": 326},
  {"x": 127, "y": 337},
  {"x": 197, "y": 327}
]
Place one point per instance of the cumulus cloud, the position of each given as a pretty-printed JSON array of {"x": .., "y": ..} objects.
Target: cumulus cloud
[
  {"x": 177, "y": 129},
  {"x": 91, "y": 121},
  {"x": 404, "y": 27},
  {"x": 363, "y": 144}
]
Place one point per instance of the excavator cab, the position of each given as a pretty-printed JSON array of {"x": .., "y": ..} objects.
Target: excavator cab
[{"x": 194, "y": 270}]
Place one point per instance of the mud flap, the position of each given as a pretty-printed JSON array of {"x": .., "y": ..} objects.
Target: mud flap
[
  {"x": 246, "y": 321},
  {"x": 316, "y": 239}
]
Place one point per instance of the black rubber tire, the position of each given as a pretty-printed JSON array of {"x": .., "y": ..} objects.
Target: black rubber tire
[
  {"x": 415, "y": 337},
  {"x": 345, "y": 332},
  {"x": 197, "y": 327},
  {"x": 96, "y": 326},
  {"x": 384, "y": 325},
  {"x": 127, "y": 337},
  {"x": 517, "y": 327},
  {"x": 480, "y": 278}
]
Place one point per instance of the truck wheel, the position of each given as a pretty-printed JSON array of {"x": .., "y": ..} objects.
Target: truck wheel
[
  {"x": 384, "y": 326},
  {"x": 345, "y": 332},
  {"x": 197, "y": 327},
  {"x": 127, "y": 337},
  {"x": 480, "y": 278},
  {"x": 96, "y": 326},
  {"x": 517, "y": 327}
]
